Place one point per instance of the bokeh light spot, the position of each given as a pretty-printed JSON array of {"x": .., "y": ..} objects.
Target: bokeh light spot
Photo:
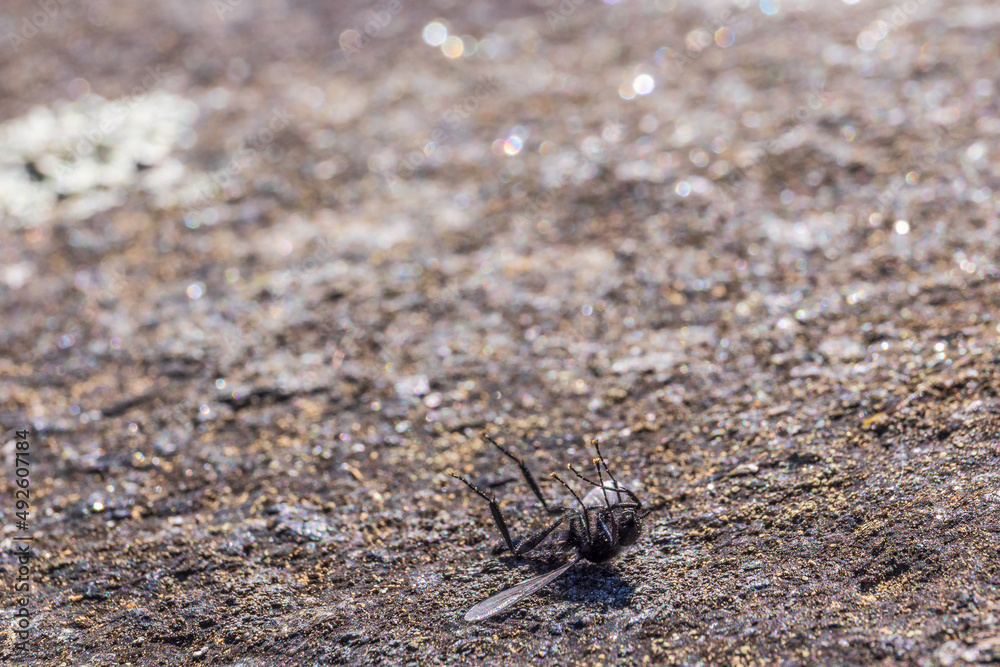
[
  {"x": 513, "y": 146},
  {"x": 643, "y": 84},
  {"x": 453, "y": 47},
  {"x": 435, "y": 33},
  {"x": 770, "y": 7}
]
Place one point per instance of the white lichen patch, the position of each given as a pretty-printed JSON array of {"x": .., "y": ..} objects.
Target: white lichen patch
[{"x": 75, "y": 159}]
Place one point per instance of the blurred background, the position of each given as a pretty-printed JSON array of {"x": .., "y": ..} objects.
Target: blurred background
[{"x": 266, "y": 269}]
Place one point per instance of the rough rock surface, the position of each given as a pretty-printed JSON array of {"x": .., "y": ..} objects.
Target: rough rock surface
[{"x": 751, "y": 247}]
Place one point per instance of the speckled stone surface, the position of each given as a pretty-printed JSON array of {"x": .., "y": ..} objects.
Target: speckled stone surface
[{"x": 268, "y": 267}]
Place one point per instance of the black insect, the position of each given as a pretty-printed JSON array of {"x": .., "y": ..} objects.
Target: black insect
[{"x": 598, "y": 532}]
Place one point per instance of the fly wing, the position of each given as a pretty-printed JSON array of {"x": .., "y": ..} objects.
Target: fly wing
[{"x": 504, "y": 599}]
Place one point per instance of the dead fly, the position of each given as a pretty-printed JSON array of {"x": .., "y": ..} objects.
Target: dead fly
[{"x": 598, "y": 532}]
